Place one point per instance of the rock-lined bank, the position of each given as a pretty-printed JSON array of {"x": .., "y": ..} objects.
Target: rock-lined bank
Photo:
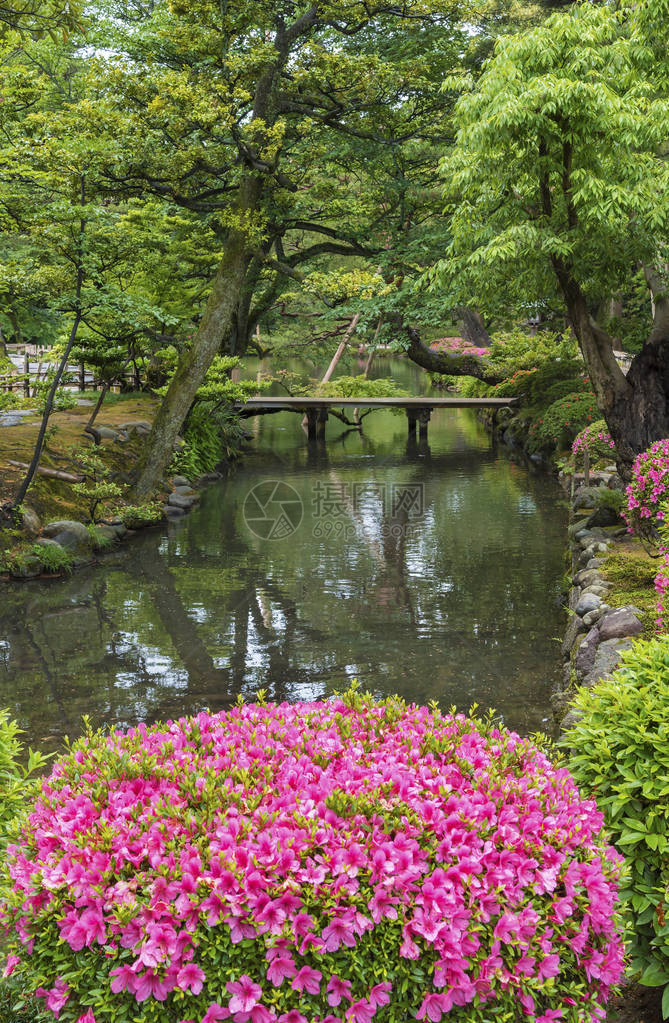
[
  {"x": 597, "y": 631},
  {"x": 76, "y": 545}
]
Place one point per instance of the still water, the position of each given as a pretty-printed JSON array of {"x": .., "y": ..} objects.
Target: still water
[{"x": 429, "y": 571}]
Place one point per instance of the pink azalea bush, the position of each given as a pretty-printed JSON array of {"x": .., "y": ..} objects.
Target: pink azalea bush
[
  {"x": 647, "y": 502},
  {"x": 649, "y": 488},
  {"x": 314, "y": 862},
  {"x": 458, "y": 346},
  {"x": 595, "y": 439}
]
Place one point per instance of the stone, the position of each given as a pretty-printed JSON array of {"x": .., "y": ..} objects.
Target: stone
[
  {"x": 577, "y": 527},
  {"x": 607, "y": 659},
  {"x": 106, "y": 432},
  {"x": 574, "y": 594},
  {"x": 72, "y": 542},
  {"x": 587, "y": 577},
  {"x": 181, "y": 481},
  {"x": 136, "y": 424},
  {"x": 209, "y": 477},
  {"x": 598, "y": 589},
  {"x": 585, "y": 497},
  {"x": 173, "y": 513},
  {"x": 595, "y": 562},
  {"x": 603, "y": 516},
  {"x": 108, "y": 534},
  {"x": 48, "y": 543},
  {"x": 593, "y": 616},
  {"x": 571, "y": 718},
  {"x": 587, "y": 602},
  {"x": 30, "y": 521},
  {"x": 29, "y": 568},
  {"x": 585, "y": 556},
  {"x": 585, "y": 655},
  {"x": 615, "y": 482},
  {"x": 187, "y": 492},
  {"x": 76, "y": 531},
  {"x": 620, "y": 623},
  {"x": 574, "y": 628},
  {"x": 179, "y": 501}
]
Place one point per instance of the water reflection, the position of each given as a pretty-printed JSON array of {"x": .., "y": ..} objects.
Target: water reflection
[{"x": 454, "y": 598}]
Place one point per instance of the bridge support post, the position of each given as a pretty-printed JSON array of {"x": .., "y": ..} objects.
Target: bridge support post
[
  {"x": 412, "y": 415},
  {"x": 423, "y": 420},
  {"x": 312, "y": 415},
  {"x": 320, "y": 423}
]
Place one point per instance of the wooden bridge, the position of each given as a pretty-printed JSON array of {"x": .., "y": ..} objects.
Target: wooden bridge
[{"x": 316, "y": 410}]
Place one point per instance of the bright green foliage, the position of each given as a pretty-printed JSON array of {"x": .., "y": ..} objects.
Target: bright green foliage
[
  {"x": 97, "y": 487},
  {"x": 54, "y": 559},
  {"x": 556, "y": 163},
  {"x": 360, "y": 387},
  {"x": 16, "y": 786},
  {"x": 137, "y": 516},
  {"x": 620, "y": 756}
]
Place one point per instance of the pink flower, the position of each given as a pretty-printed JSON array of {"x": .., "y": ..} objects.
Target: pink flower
[
  {"x": 281, "y": 968},
  {"x": 87, "y": 1017},
  {"x": 338, "y": 989},
  {"x": 433, "y": 1007},
  {"x": 361, "y": 1012},
  {"x": 56, "y": 997},
  {"x": 338, "y": 932},
  {"x": 292, "y": 1017},
  {"x": 190, "y": 978},
  {"x": 549, "y": 967},
  {"x": 214, "y": 1013},
  {"x": 11, "y": 964},
  {"x": 307, "y": 980},
  {"x": 380, "y": 994},
  {"x": 245, "y": 994}
]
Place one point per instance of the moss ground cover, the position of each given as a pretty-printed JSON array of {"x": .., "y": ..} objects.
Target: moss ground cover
[
  {"x": 632, "y": 571},
  {"x": 329, "y": 861}
]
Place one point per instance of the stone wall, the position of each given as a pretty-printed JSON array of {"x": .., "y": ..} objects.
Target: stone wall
[{"x": 596, "y": 633}]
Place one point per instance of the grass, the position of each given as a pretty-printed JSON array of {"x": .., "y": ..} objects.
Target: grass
[{"x": 632, "y": 571}]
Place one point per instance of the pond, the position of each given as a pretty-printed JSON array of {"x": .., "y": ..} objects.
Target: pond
[{"x": 433, "y": 571}]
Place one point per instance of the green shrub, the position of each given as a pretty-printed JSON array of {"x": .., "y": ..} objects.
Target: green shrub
[
  {"x": 562, "y": 421},
  {"x": 16, "y": 783},
  {"x": 614, "y": 499},
  {"x": 136, "y": 516},
  {"x": 11, "y": 400},
  {"x": 54, "y": 558},
  {"x": 621, "y": 758}
]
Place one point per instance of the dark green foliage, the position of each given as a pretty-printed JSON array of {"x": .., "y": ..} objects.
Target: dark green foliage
[{"x": 562, "y": 421}]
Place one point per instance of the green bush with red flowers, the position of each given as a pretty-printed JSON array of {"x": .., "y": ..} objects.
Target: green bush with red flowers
[{"x": 562, "y": 422}]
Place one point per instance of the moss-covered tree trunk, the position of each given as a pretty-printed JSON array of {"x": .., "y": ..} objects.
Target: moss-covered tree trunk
[{"x": 217, "y": 322}]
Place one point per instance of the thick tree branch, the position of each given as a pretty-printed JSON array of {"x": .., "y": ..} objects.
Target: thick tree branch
[{"x": 452, "y": 365}]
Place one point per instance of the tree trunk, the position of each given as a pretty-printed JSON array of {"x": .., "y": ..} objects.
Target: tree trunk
[
  {"x": 636, "y": 407},
  {"x": 473, "y": 327},
  {"x": 32, "y": 469},
  {"x": 98, "y": 406},
  {"x": 340, "y": 350},
  {"x": 216, "y": 323},
  {"x": 638, "y": 420}
]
